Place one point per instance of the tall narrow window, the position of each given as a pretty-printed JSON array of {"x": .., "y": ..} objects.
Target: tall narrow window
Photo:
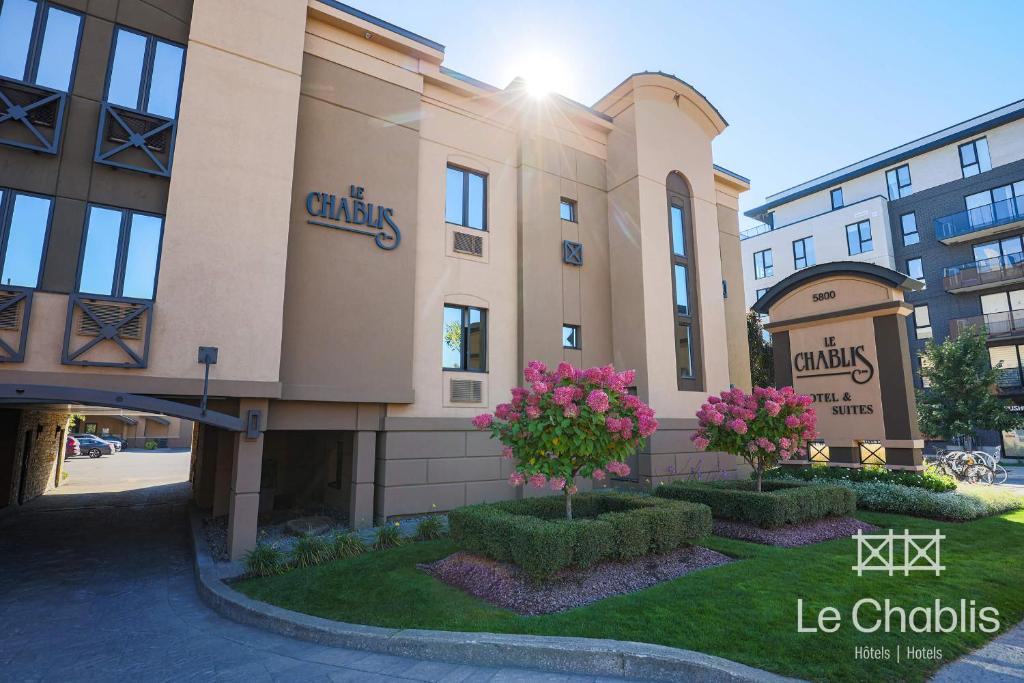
[
  {"x": 465, "y": 198},
  {"x": 908, "y": 225},
  {"x": 898, "y": 181},
  {"x": 684, "y": 288},
  {"x": 464, "y": 341},
  {"x": 567, "y": 210},
  {"x": 922, "y": 322},
  {"x": 38, "y": 43},
  {"x": 763, "y": 265},
  {"x": 974, "y": 158},
  {"x": 121, "y": 253},
  {"x": 858, "y": 238},
  {"x": 24, "y": 222},
  {"x": 145, "y": 73},
  {"x": 803, "y": 253},
  {"x": 837, "y": 198}
]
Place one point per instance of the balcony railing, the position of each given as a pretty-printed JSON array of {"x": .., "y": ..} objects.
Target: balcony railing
[
  {"x": 1007, "y": 324},
  {"x": 31, "y": 116},
  {"x": 1008, "y": 379},
  {"x": 999, "y": 270},
  {"x": 979, "y": 219},
  {"x": 759, "y": 229},
  {"x": 104, "y": 331},
  {"x": 15, "y": 307},
  {"x": 134, "y": 140}
]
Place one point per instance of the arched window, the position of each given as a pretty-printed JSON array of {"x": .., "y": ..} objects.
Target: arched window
[{"x": 685, "y": 293}]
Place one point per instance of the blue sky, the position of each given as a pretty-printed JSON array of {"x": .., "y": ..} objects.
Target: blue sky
[{"x": 807, "y": 87}]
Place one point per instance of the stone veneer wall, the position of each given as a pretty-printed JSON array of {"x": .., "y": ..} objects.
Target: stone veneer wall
[{"x": 47, "y": 452}]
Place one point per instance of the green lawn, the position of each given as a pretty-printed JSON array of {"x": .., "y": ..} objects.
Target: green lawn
[{"x": 745, "y": 611}]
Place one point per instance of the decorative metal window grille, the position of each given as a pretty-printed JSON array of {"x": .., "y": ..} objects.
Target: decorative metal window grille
[
  {"x": 572, "y": 253},
  {"x": 466, "y": 391},
  {"x": 108, "y": 324},
  {"x": 467, "y": 244},
  {"x": 135, "y": 140},
  {"x": 15, "y": 306},
  {"x": 31, "y": 116}
]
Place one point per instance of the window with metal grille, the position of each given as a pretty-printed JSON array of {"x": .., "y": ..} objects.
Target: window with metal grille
[
  {"x": 111, "y": 314},
  {"x": 467, "y": 244},
  {"x": 466, "y": 391}
]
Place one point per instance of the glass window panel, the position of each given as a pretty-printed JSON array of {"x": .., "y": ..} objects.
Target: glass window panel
[
  {"x": 1017, "y": 300},
  {"x": 987, "y": 256},
  {"x": 915, "y": 269},
  {"x": 163, "y": 88},
  {"x": 678, "y": 234},
  {"x": 809, "y": 251},
  {"x": 570, "y": 336},
  {"x": 684, "y": 355},
  {"x": 126, "y": 71},
  {"x": 100, "y": 259},
  {"x": 994, "y": 303},
  {"x": 477, "y": 345},
  {"x": 1018, "y": 188},
  {"x": 477, "y": 193},
  {"x": 981, "y": 151},
  {"x": 967, "y": 155},
  {"x": 451, "y": 347},
  {"x": 567, "y": 210},
  {"x": 890, "y": 181},
  {"x": 25, "y": 241},
  {"x": 453, "y": 196},
  {"x": 1012, "y": 248},
  {"x": 682, "y": 295},
  {"x": 852, "y": 240},
  {"x": 1009, "y": 373},
  {"x": 903, "y": 174},
  {"x": 973, "y": 201},
  {"x": 837, "y": 198},
  {"x": 16, "y": 20},
  {"x": 921, "y": 316},
  {"x": 143, "y": 255},
  {"x": 57, "y": 56}
]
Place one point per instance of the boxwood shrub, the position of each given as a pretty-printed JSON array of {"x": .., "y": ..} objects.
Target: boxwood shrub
[
  {"x": 939, "y": 483},
  {"x": 778, "y": 504},
  {"x": 533, "y": 533}
]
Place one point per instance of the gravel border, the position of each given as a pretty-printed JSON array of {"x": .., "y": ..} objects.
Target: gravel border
[
  {"x": 792, "y": 535},
  {"x": 581, "y": 656},
  {"x": 505, "y": 585}
]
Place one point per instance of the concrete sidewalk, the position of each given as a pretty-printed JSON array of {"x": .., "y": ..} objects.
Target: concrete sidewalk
[{"x": 1001, "y": 661}]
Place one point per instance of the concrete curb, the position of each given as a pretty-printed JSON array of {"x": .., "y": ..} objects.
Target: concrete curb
[{"x": 580, "y": 656}]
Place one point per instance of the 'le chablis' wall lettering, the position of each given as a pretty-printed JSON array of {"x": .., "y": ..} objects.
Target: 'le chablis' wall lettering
[
  {"x": 832, "y": 361},
  {"x": 339, "y": 210}
]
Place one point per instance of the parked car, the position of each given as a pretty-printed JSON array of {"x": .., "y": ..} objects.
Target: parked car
[
  {"x": 116, "y": 439},
  {"x": 73, "y": 447},
  {"x": 94, "y": 447}
]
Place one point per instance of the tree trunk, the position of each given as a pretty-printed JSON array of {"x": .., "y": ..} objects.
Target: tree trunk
[
  {"x": 568, "y": 503},
  {"x": 760, "y": 471}
]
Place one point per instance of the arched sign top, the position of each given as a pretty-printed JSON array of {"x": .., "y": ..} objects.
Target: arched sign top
[{"x": 858, "y": 269}]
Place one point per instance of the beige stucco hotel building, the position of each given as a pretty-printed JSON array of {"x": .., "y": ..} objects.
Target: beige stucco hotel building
[{"x": 374, "y": 245}]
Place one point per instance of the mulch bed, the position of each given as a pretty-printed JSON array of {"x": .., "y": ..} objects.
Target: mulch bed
[
  {"x": 793, "y": 535},
  {"x": 504, "y": 585}
]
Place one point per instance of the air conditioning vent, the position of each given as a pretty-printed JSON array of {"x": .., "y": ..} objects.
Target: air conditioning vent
[
  {"x": 464, "y": 243},
  {"x": 111, "y": 314},
  {"x": 10, "y": 317},
  {"x": 466, "y": 391}
]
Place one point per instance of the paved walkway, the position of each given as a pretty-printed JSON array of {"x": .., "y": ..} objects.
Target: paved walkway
[
  {"x": 98, "y": 586},
  {"x": 1001, "y": 661}
]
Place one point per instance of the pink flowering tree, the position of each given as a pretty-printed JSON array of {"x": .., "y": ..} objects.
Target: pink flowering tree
[
  {"x": 569, "y": 423},
  {"x": 764, "y": 427}
]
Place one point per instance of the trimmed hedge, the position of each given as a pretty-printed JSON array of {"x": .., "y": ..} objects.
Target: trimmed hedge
[
  {"x": 939, "y": 483},
  {"x": 533, "y": 533},
  {"x": 778, "y": 504}
]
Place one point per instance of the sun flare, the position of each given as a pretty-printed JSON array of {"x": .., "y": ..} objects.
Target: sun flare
[{"x": 543, "y": 73}]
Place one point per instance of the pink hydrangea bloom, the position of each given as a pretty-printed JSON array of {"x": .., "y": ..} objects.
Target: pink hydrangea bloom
[
  {"x": 507, "y": 452},
  {"x": 612, "y": 424},
  {"x": 532, "y": 412},
  {"x": 563, "y": 395},
  {"x": 738, "y": 426},
  {"x": 483, "y": 421},
  {"x": 541, "y": 387},
  {"x": 503, "y": 410},
  {"x": 557, "y": 483},
  {"x": 565, "y": 370},
  {"x": 538, "y": 480},
  {"x": 792, "y": 421},
  {"x": 772, "y": 408},
  {"x": 516, "y": 479},
  {"x": 571, "y": 410},
  {"x": 701, "y": 443},
  {"x": 598, "y": 401},
  {"x": 598, "y": 474}
]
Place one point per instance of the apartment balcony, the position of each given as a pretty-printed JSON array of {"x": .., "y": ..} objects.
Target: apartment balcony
[
  {"x": 996, "y": 325},
  {"x": 992, "y": 272},
  {"x": 981, "y": 221},
  {"x": 1008, "y": 381},
  {"x": 31, "y": 116},
  {"x": 759, "y": 229}
]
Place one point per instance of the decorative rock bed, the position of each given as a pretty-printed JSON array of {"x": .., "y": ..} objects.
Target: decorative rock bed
[
  {"x": 505, "y": 585},
  {"x": 792, "y": 535}
]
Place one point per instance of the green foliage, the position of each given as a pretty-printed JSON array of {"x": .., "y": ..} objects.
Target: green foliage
[
  {"x": 265, "y": 560},
  {"x": 779, "y": 503},
  {"x": 453, "y": 335},
  {"x": 310, "y": 550},
  {"x": 347, "y": 545},
  {"x": 924, "y": 480},
  {"x": 150, "y": 445},
  {"x": 762, "y": 360},
  {"x": 532, "y": 534},
  {"x": 918, "y": 502},
  {"x": 388, "y": 536},
  {"x": 960, "y": 400},
  {"x": 430, "y": 529}
]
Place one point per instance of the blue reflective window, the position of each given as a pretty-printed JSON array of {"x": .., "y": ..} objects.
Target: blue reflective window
[
  {"x": 465, "y": 198},
  {"x": 464, "y": 338},
  {"x": 145, "y": 74},
  {"x": 121, "y": 254},
  {"x": 682, "y": 295},
  {"x": 38, "y": 43},
  {"x": 678, "y": 234},
  {"x": 567, "y": 210},
  {"x": 22, "y": 237}
]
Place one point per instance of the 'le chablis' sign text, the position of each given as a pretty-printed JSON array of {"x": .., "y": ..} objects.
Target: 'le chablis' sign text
[{"x": 343, "y": 213}]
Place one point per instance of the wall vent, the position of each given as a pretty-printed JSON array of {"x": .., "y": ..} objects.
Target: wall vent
[
  {"x": 465, "y": 243},
  {"x": 10, "y": 317},
  {"x": 111, "y": 314},
  {"x": 466, "y": 391},
  {"x": 572, "y": 253}
]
